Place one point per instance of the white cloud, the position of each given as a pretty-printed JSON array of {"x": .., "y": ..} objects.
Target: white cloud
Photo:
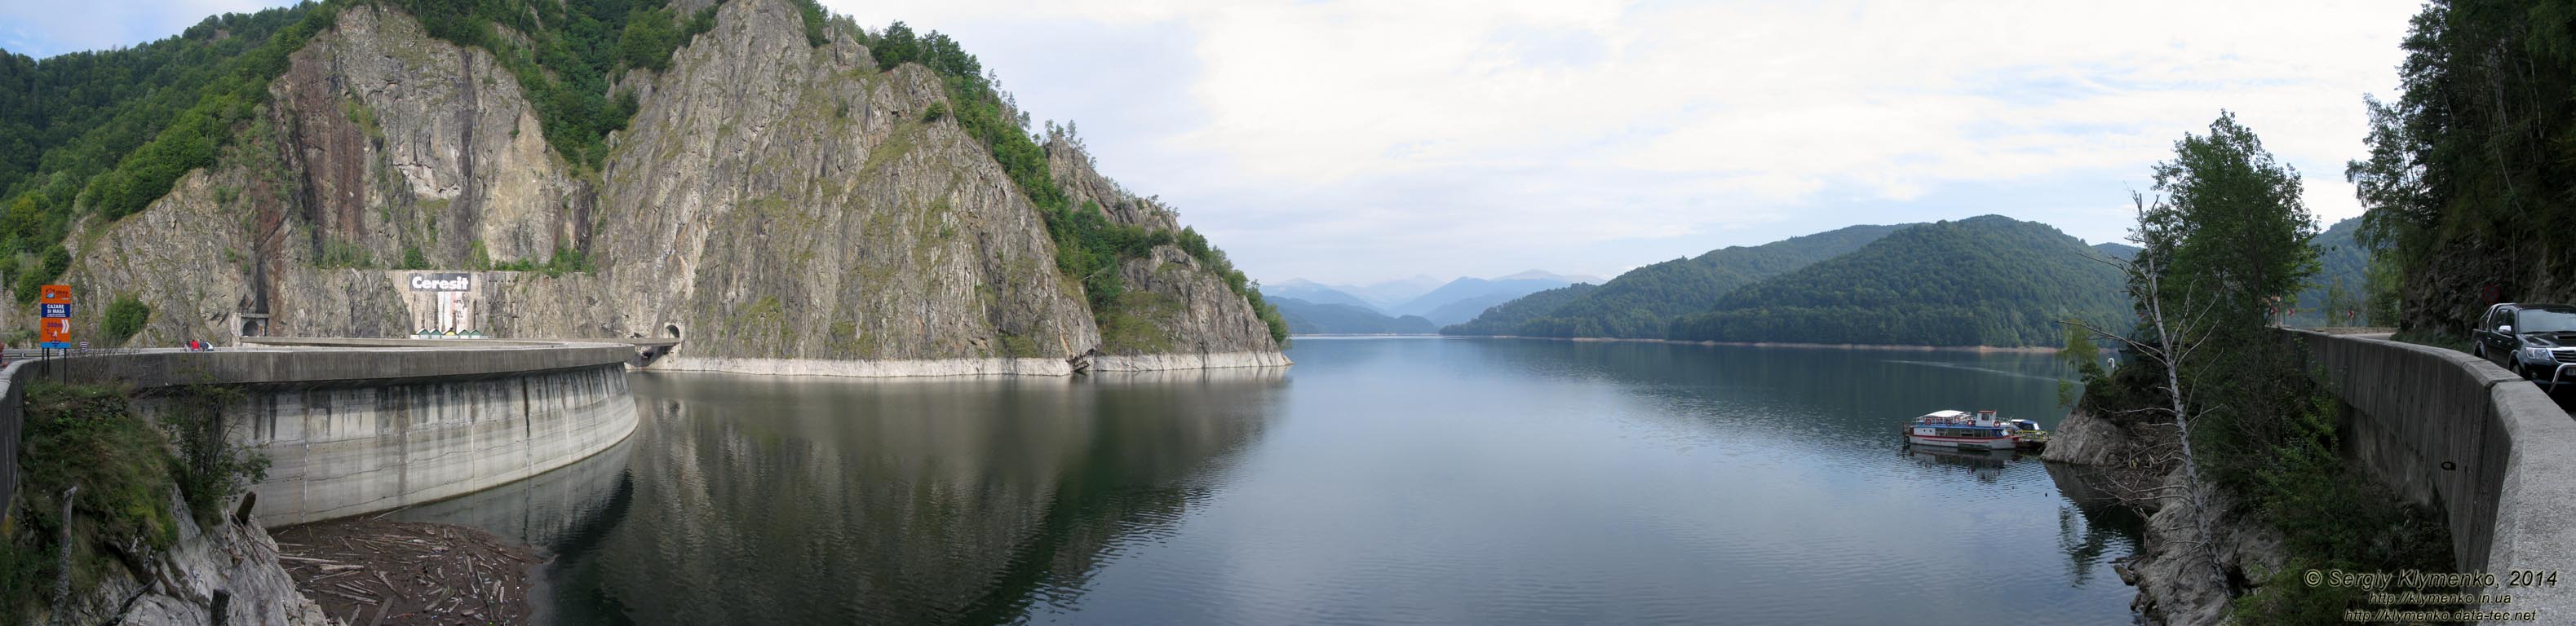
[
  {"x": 1471, "y": 137},
  {"x": 1351, "y": 140}
]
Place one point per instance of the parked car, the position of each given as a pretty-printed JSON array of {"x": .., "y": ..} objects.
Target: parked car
[{"x": 2537, "y": 341}]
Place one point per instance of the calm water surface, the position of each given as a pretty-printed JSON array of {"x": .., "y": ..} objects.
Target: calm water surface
[{"x": 1378, "y": 481}]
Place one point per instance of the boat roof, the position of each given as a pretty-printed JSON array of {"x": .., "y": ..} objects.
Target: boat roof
[{"x": 1946, "y": 414}]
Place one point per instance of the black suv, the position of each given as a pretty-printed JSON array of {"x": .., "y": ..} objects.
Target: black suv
[{"x": 2537, "y": 341}]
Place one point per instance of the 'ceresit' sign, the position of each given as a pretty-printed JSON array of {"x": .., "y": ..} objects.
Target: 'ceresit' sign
[{"x": 442, "y": 282}]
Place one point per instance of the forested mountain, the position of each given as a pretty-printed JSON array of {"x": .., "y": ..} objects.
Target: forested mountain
[
  {"x": 2115, "y": 250},
  {"x": 1981, "y": 281},
  {"x": 2342, "y": 278},
  {"x": 1311, "y": 318},
  {"x": 778, "y": 183},
  {"x": 1507, "y": 318},
  {"x": 1638, "y": 304}
]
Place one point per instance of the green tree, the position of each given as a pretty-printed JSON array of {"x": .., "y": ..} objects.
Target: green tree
[
  {"x": 2465, "y": 180},
  {"x": 2232, "y": 230},
  {"x": 125, "y": 317}
]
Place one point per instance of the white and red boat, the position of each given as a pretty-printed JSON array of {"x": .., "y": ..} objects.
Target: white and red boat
[{"x": 1959, "y": 429}]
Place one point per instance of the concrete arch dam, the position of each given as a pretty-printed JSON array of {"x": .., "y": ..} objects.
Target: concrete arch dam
[{"x": 356, "y": 430}]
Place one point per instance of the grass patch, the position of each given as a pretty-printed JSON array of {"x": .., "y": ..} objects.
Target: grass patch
[
  {"x": 86, "y": 436},
  {"x": 125, "y": 317}
]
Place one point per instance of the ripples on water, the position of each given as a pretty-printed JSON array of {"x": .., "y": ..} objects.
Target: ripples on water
[{"x": 1378, "y": 481}]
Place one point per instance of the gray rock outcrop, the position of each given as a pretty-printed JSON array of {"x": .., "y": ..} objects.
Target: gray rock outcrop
[
  {"x": 780, "y": 206},
  {"x": 180, "y": 586}
]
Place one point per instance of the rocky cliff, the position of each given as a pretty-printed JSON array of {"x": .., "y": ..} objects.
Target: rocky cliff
[
  {"x": 780, "y": 206},
  {"x": 2171, "y": 570},
  {"x": 226, "y": 574}
]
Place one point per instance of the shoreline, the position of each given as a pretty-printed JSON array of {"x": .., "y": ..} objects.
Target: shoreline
[{"x": 1785, "y": 344}]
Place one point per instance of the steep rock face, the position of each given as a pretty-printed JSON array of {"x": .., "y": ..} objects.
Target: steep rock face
[
  {"x": 786, "y": 201},
  {"x": 782, "y": 207},
  {"x": 407, "y": 142},
  {"x": 1179, "y": 314},
  {"x": 236, "y": 561}
]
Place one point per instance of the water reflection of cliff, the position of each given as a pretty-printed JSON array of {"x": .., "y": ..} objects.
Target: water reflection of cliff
[
  {"x": 2093, "y": 523},
  {"x": 762, "y": 501}
]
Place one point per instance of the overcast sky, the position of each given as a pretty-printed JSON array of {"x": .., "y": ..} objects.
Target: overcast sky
[{"x": 1358, "y": 140}]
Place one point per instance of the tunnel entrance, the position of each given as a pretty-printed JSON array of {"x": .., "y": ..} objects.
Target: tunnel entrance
[{"x": 671, "y": 331}]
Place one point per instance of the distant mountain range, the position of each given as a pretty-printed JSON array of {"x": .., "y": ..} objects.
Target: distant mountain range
[
  {"x": 1987, "y": 280},
  {"x": 1452, "y": 302},
  {"x": 1316, "y": 318}
]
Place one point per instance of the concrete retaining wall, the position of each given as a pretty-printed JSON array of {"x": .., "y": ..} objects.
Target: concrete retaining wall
[
  {"x": 2490, "y": 448},
  {"x": 350, "y": 431}
]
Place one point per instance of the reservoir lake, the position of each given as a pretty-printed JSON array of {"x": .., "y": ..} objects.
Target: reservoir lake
[{"x": 1378, "y": 481}]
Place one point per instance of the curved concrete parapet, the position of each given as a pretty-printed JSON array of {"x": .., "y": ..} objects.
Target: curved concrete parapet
[
  {"x": 2493, "y": 450},
  {"x": 350, "y": 431}
]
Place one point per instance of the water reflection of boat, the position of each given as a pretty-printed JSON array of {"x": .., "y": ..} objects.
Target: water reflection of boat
[
  {"x": 1987, "y": 464},
  {"x": 1958, "y": 429},
  {"x": 1970, "y": 457}
]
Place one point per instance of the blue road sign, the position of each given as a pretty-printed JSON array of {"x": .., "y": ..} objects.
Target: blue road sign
[
  {"x": 55, "y": 345},
  {"x": 55, "y": 310}
]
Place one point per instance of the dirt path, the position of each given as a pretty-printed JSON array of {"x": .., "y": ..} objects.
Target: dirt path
[{"x": 374, "y": 572}]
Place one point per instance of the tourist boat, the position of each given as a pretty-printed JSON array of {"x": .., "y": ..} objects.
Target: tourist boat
[{"x": 1958, "y": 429}]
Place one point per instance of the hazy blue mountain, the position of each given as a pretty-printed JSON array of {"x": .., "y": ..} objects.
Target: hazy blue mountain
[
  {"x": 1641, "y": 303},
  {"x": 1313, "y": 293},
  {"x": 1462, "y": 299},
  {"x": 1505, "y": 318},
  {"x": 2115, "y": 250},
  {"x": 1982, "y": 281},
  {"x": 1463, "y": 310},
  {"x": 1385, "y": 295},
  {"x": 1311, "y": 318}
]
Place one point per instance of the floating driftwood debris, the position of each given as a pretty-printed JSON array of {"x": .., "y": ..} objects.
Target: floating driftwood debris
[{"x": 383, "y": 572}]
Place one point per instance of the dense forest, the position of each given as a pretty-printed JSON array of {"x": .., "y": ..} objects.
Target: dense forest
[
  {"x": 1990, "y": 281},
  {"x": 107, "y": 132},
  {"x": 1312, "y": 318},
  {"x": 2466, "y": 178},
  {"x": 1640, "y": 304}
]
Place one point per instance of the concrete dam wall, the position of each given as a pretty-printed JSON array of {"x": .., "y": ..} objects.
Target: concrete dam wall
[{"x": 350, "y": 431}]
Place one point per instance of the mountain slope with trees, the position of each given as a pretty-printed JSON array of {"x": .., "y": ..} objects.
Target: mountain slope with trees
[
  {"x": 1639, "y": 304},
  {"x": 1981, "y": 281}
]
